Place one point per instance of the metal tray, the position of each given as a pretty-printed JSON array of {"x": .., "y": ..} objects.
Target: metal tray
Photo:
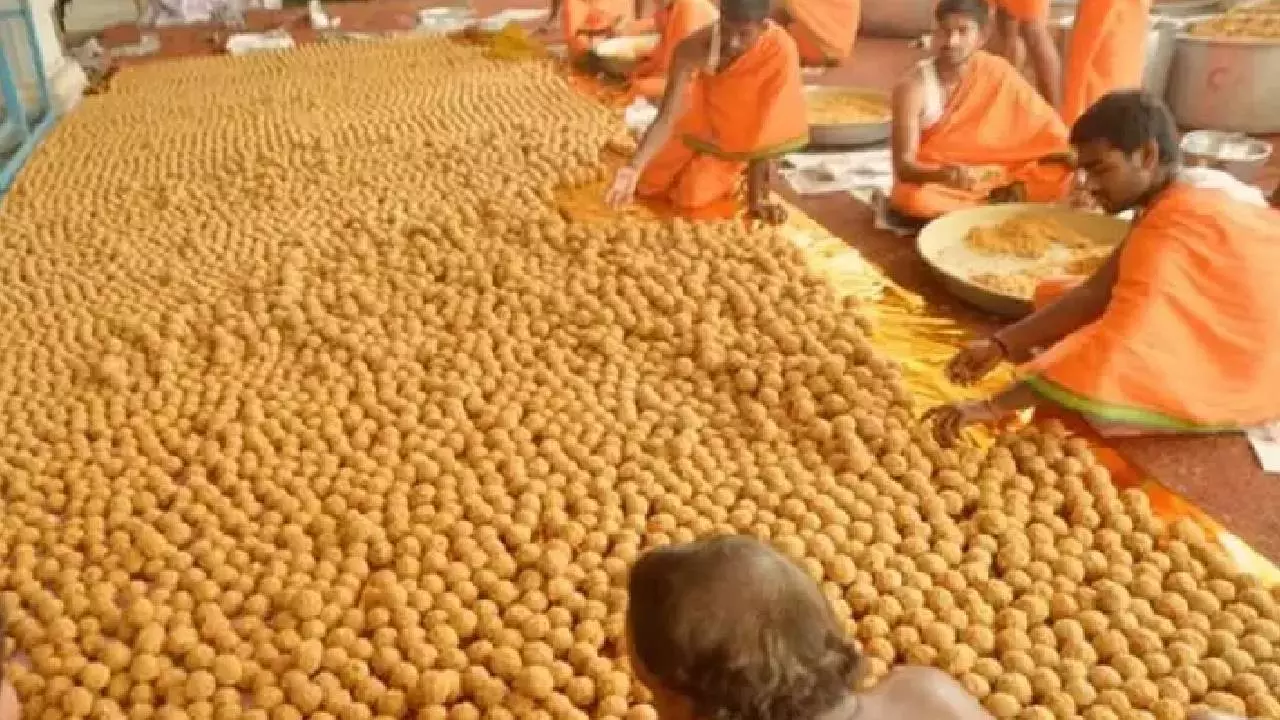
[
  {"x": 941, "y": 246},
  {"x": 619, "y": 56},
  {"x": 850, "y": 134}
]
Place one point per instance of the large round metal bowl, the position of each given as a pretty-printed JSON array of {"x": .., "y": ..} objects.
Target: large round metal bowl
[
  {"x": 1223, "y": 83},
  {"x": 619, "y": 56},
  {"x": 854, "y": 133},
  {"x": 942, "y": 247}
]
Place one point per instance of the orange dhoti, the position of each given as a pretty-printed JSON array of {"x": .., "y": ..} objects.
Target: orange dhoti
[
  {"x": 995, "y": 120},
  {"x": 1025, "y": 10},
  {"x": 824, "y": 30},
  {"x": 1190, "y": 340},
  {"x": 751, "y": 110},
  {"x": 674, "y": 21},
  {"x": 1108, "y": 52},
  {"x": 580, "y": 20}
]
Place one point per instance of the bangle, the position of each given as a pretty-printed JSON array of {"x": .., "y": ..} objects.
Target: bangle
[{"x": 1002, "y": 345}]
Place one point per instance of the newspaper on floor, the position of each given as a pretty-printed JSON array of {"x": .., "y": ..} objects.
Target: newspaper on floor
[
  {"x": 816, "y": 173},
  {"x": 1266, "y": 445}
]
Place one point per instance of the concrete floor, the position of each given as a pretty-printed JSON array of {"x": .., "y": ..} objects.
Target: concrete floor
[{"x": 91, "y": 16}]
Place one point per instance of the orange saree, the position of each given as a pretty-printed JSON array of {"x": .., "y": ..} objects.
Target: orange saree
[
  {"x": 674, "y": 21},
  {"x": 995, "y": 120},
  {"x": 1108, "y": 52},
  {"x": 750, "y": 110},
  {"x": 824, "y": 30},
  {"x": 581, "y": 19},
  {"x": 1190, "y": 341}
]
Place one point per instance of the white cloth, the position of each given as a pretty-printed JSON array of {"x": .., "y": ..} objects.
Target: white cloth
[
  {"x": 1211, "y": 179},
  {"x": 935, "y": 100}
]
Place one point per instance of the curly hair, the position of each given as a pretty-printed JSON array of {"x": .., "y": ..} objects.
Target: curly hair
[{"x": 739, "y": 630}]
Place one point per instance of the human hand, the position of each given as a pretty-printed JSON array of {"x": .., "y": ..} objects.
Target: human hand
[
  {"x": 950, "y": 420},
  {"x": 623, "y": 189},
  {"x": 961, "y": 177},
  {"x": 768, "y": 213},
  {"x": 975, "y": 361}
]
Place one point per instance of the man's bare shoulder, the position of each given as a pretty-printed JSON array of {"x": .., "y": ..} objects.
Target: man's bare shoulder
[
  {"x": 912, "y": 690},
  {"x": 910, "y": 86}
]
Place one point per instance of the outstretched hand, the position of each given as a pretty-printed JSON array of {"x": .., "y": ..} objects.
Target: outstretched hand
[
  {"x": 949, "y": 421},
  {"x": 623, "y": 189},
  {"x": 975, "y": 361}
]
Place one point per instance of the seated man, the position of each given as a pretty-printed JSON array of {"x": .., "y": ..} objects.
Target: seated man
[
  {"x": 965, "y": 124},
  {"x": 824, "y": 30},
  {"x": 735, "y": 102},
  {"x": 1108, "y": 52},
  {"x": 674, "y": 21},
  {"x": 584, "y": 23},
  {"x": 1028, "y": 21},
  {"x": 1178, "y": 331}
]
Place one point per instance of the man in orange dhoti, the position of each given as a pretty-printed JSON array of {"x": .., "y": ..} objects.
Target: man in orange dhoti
[
  {"x": 824, "y": 30},
  {"x": 734, "y": 104},
  {"x": 586, "y": 22},
  {"x": 674, "y": 21},
  {"x": 967, "y": 125},
  {"x": 1178, "y": 331},
  {"x": 1108, "y": 52},
  {"x": 1028, "y": 21}
]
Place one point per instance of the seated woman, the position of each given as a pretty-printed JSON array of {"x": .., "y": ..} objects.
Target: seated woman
[
  {"x": 968, "y": 128},
  {"x": 730, "y": 628},
  {"x": 734, "y": 104},
  {"x": 1178, "y": 331},
  {"x": 674, "y": 21}
]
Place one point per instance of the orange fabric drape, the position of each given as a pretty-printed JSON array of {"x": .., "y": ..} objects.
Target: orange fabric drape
[
  {"x": 1025, "y": 10},
  {"x": 752, "y": 109},
  {"x": 1108, "y": 52},
  {"x": 674, "y": 21},
  {"x": 824, "y": 30},
  {"x": 995, "y": 119},
  {"x": 582, "y": 16},
  {"x": 1191, "y": 338}
]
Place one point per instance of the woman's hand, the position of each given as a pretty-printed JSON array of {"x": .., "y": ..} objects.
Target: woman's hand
[
  {"x": 623, "y": 189},
  {"x": 975, "y": 361},
  {"x": 950, "y": 420}
]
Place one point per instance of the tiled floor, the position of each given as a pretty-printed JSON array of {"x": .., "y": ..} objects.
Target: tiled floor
[{"x": 1217, "y": 474}]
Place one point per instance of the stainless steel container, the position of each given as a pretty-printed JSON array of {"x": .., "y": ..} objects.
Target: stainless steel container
[
  {"x": 897, "y": 18},
  {"x": 1226, "y": 84},
  {"x": 1161, "y": 43},
  {"x": 1238, "y": 154}
]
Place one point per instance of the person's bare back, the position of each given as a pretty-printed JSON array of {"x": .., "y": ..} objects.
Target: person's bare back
[{"x": 919, "y": 692}]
